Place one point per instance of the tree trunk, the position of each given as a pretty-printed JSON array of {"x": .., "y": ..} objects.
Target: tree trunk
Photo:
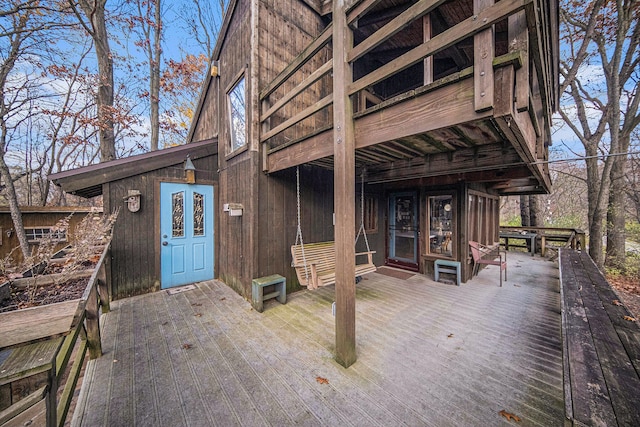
[
  {"x": 535, "y": 215},
  {"x": 14, "y": 207},
  {"x": 94, "y": 11},
  {"x": 597, "y": 209},
  {"x": 616, "y": 234},
  {"x": 524, "y": 211},
  {"x": 155, "y": 54}
]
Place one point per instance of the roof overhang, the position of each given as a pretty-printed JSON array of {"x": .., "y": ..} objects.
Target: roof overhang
[{"x": 87, "y": 181}]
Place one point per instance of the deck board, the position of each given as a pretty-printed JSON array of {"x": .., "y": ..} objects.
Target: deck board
[{"x": 242, "y": 367}]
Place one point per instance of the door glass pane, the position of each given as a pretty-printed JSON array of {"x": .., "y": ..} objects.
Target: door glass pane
[
  {"x": 177, "y": 214},
  {"x": 441, "y": 225},
  {"x": 404, "y": 228},
  {"x": 198, "y": 214}
]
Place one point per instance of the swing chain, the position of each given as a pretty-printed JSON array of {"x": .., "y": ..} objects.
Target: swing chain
[
  {"x": 361, "y": 230},
  {"x": 299, "y": 231}
]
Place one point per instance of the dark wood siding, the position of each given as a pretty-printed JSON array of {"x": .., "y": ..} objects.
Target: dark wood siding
[
  {"x": 134, "y": 249},
  {"x": 207, "y": 121},
  {"x": 278, "y": 217},
  {"x": 35, "y": 217}
]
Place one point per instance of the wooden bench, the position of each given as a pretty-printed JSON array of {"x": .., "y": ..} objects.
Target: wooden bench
[
  {"x": 601, "y": 347},
  {"x": 441, "y": 266},
  {"x": 257, "y": 290},
  {"x": 317, "y": 266}
]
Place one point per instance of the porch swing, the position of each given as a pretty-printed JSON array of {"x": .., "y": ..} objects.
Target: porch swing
[{"x": 315, "y": 263}]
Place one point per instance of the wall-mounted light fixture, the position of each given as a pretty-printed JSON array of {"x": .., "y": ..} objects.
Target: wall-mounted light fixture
[
  {"x": 189, "y": 171},
  {"x": 132, "y": 200},
  {"x": 215, "y": 68},
  {"x": 9, "y": 232}
]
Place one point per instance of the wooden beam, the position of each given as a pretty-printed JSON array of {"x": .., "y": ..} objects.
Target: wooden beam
[
  {"x": 344, "y": 190},
  {"x": 441, "y": 108},
  {"x": 359, "y": 9},
  {"x": 519, "y": 41},
  {"x": 308, "y": 52},
  {"x": 298, "y": 117},
  {"x": 393, "y": 27},
  {"x": 466, "y": 28},
  {"x": 490, "y": 158},
  {"x": 483, "y": 54},
  {"x": 313, "y": 77}
]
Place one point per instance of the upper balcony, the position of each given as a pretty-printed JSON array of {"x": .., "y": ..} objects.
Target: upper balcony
[{"x": 440, "y": 88}]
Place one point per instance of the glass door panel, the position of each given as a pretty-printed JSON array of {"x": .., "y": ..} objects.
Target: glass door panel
[{"x": 403, "y": 228}]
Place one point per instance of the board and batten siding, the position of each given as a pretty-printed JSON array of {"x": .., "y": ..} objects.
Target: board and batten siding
[{"x": 135, "y": 246}]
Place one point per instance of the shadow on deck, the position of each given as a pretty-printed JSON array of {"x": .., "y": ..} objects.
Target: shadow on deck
[{"x": 428, "y": 354}]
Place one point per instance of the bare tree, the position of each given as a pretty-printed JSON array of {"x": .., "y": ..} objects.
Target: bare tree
[
  {"x": 26, "y": 31},
  {"x": 601, "y": 45},
  {"x": 620, "y": 56},
  {"x": 92, "y": 17},
  {"x": 147, "y": 23},
  {"x": 203, "y": 20}
]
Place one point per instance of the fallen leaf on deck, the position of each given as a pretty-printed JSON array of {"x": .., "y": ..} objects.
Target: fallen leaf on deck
[
  {"x": 450, "y": 336},
  {"x": 629, "y": 318},
  {"x": 196, "y": 304},
  {"x": 186, "y": 346},
  {"x": 198, "y": 314},
  {"x": 322, "y": 380},
  {"x": 517, "y": 286},
  {"x": 222, "y": 299},
  {"x": 509, "y": 416},
  {"x": 616, "y": 302}
]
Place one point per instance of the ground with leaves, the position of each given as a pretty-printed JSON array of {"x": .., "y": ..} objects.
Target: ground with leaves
[{"x": 629, "y": 291}]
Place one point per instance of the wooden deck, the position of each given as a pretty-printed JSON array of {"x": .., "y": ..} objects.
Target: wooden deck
[{"x": 429, "y": 353}]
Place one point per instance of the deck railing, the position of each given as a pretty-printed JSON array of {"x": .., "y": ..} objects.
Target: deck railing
[
  {"x": 528, "y": 25},
  {"x": 573, "y": 238},
  {"x": 62, "y": 355}
]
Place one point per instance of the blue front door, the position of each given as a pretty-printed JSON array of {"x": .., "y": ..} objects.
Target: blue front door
[{"x": 186, "y": 231}]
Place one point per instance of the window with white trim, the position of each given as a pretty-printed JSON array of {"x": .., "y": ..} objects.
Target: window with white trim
[
  {"x": 37, "y": 234},
  {"x": 238, "y": 115}
]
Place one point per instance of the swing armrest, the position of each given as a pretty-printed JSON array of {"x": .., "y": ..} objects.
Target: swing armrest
[{"x": 369, "y": 255}]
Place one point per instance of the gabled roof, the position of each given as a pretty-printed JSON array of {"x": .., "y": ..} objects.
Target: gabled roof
[{"x": 87, "y": 181}]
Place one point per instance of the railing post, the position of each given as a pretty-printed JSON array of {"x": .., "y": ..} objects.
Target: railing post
[
  {"x": 92, "y": 319},
  {"x": 344, "y": 189},
  {"x": 483, "y": 54},
  {"x": 428, "y": 61}
]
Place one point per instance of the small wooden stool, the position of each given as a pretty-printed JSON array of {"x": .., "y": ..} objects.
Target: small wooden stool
[
  {"x": 257, "y": 290},
  {"x": 440, "y": 266}
]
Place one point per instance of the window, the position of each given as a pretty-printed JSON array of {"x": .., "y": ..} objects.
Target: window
[
  {"x": 177, "y": 214},
  {"x": 237, "y": 116},
  {"x": 441, "y": 225},
  {"x": 35, "y": 235}
]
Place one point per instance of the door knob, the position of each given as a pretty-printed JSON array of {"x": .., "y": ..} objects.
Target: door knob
[{"x": 165, "y": 243}]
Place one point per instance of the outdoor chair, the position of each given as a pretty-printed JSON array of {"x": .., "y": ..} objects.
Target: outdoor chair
[{"x": 483, "y": 254}]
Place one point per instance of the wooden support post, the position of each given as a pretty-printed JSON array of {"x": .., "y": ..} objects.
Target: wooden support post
[
  {"x": 92, "y": 317},
  {"x": 428, "y": 61},
  {"x": 344, "y": 189},
  {"x": 483, "y": 53},
  {"x": 52, "y": 395},
  {"x": 519, "y": 40},
  {"x": 103, "y": 287}
]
